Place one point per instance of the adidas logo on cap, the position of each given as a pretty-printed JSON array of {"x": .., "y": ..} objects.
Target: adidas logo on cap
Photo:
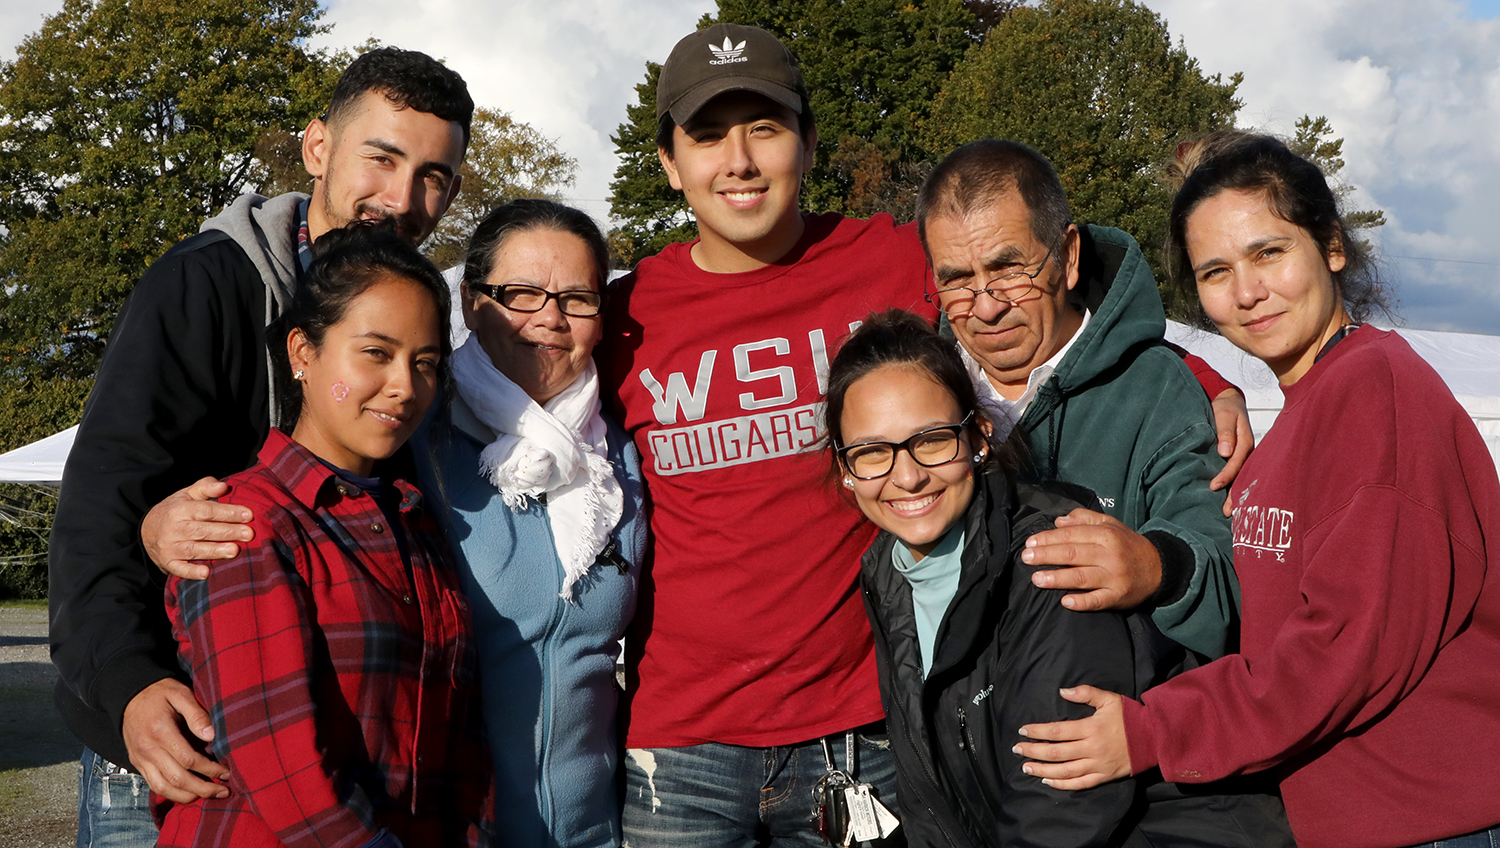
[{"x": 727, "y": 53}]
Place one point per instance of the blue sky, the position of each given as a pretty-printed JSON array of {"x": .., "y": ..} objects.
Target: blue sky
[{"x": 1413, "y": 87}]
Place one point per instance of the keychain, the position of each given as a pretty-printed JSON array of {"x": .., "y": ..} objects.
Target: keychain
[{"x": 844, "y": 810}]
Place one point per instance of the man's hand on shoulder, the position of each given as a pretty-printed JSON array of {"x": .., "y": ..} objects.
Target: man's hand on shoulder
[
  {"x": 173, "y": 766},
  {"x": 190, "y": 525},
  {"x": 1108, "y": 565}
]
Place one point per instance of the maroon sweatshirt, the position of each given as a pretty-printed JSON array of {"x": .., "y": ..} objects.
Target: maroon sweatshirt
[{"x": 1367, "y": 544}]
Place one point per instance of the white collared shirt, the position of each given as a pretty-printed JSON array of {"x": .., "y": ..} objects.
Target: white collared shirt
[{"x": 1003, "y": 412}]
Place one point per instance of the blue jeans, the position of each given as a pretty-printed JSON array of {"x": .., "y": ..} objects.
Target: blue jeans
[
  {"x": 1489, "y": 838},
  {"x": 114, "y": 806},
  {"x": 714, "y": 795}
]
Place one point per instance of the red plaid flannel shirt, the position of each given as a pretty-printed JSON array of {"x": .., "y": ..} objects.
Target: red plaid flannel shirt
[{"x": 341, "y": 684}]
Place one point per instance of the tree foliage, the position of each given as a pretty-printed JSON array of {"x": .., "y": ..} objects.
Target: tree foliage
[
  {"x": 506, "y": 160},
  {"x": 123, "y": 124},
  {"x": 872, "y": 69},
  {"x": 1313, "y": 140},
  {"x": 1096, "y": 86},
  {"x": 651, "y": 213}
]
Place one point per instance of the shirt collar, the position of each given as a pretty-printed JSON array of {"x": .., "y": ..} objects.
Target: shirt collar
[
  {"x": 304, "y": 242},
  {"x": 1003, "y": 412},
  {"x": 308, "y": 480}
]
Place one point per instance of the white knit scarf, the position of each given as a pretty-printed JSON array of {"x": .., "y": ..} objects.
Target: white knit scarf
[{"x": 558, "y": 450}]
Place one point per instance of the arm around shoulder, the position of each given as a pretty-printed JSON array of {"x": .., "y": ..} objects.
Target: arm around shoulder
[{"x": 1198, "y": 606}]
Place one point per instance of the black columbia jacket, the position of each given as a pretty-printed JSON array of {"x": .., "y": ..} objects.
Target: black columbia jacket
[{"x": 1003, "y": 650}]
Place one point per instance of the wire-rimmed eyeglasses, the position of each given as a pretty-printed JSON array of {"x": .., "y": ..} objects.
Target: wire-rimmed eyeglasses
[
  {"x": 1012, "y": 288},
  {"x": 929, "y": 448},
  {"x": 518, "y": 297}
]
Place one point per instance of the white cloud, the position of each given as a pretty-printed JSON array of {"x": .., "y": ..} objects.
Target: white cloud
[{"x": 1413, "y": 87}]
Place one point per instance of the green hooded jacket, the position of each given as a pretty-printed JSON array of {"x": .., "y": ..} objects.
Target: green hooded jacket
[{"x": 1125, "y": 417}]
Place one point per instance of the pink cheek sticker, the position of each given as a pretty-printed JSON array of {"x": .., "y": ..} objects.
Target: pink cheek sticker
[{"x": 340, "y": 391}]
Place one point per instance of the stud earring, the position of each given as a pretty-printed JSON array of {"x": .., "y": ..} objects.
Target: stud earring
[
  {"x": 297, "y": 375},
  {"x": 848, "y": 482}
]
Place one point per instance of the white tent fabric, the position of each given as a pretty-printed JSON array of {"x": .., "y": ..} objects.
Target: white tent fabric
[
  {"x": 1468, "y": 363},
  {"x": 38, "y": 462}
]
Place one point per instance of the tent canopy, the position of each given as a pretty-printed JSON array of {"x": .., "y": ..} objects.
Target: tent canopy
[
  {"x": 1468, "y": 363},
  {"x": 38, "y": 462}
]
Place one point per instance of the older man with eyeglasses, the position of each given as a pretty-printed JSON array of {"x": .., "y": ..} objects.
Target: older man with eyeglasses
[{"x": 1061, "y": 327}]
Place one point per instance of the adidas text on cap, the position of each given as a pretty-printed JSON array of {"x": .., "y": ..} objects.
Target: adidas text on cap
[{"x": 727, "y": 57}]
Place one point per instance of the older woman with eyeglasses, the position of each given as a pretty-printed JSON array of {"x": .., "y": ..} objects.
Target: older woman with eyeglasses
[{"x": 544, "y": 502}]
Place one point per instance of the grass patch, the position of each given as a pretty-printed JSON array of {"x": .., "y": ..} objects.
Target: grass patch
[
  {"x": 23, "y": 603},
  {"x": 13, "y": 791}
]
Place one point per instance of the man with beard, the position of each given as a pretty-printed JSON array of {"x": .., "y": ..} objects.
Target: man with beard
[{"x": 185, "y": 389}]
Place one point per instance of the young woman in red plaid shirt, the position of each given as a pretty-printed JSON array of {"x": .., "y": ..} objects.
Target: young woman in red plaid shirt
[{"x": 334, "y": 652}]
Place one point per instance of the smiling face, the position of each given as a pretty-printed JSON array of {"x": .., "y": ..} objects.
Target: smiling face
[
  {"x": 382, "y": 161},
  {"x": 975, "y": 250},
  {"x": 739, "y": 164},
  {"x": 915, "y": 503},
  {"x": 542, "y": 352},
  {"x": 1264, "y": 282},
  {"x": 365, "y": 389}
]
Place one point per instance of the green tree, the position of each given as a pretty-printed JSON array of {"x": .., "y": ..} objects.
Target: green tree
[
  {"x": 1314, "y": 140},
  {"x": 123, "y": 124},
  {"x": 872, "y": 69},
  {"x": 506, "y": 160},
  {"x": 1096, "y": 86},
  {"x": 651, "y": 213}
]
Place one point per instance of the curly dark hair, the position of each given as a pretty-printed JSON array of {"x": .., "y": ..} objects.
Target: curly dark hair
[{"x": 409, "y": 80}]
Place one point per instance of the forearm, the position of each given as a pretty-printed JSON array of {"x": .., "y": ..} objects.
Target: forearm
[
  {"x": 1356, "y": 641},
  {"x": 1213, "y": 382},
  {"x": 110, "y": 638},
  {"x": 1198, "y": 605},
  {"x": 1077, "y": 649}
]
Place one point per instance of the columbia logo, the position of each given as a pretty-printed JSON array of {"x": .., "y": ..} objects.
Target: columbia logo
[
  {"x": 727, "y": 52},
  {"x": 985, "y": 693}
]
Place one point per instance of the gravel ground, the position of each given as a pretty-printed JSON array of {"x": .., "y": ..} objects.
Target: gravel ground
[{"x": 38, "y": 756}]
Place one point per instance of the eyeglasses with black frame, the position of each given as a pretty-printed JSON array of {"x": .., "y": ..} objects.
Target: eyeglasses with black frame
[
  {"x": 1006, "y": 288},
  {"x": 929, "y": 448},
  {"x": 518, "y": 297}
]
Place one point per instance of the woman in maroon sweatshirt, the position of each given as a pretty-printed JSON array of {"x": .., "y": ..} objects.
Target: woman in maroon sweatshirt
[{"x": 1366, "y": 540}]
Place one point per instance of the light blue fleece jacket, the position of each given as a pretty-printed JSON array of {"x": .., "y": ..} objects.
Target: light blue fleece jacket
[{"x": 547, "y": 666}]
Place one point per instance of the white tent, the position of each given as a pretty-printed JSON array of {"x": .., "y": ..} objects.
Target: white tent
[
  {"x": 38, "y": 462},
  {"x": 1468, "y": 363}
]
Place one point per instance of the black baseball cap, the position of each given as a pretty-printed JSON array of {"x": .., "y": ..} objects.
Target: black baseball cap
[{"x": 727, "y": 57}]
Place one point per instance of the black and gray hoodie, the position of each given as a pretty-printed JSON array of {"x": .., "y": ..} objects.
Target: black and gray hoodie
[{"x": 183, "y": 391}]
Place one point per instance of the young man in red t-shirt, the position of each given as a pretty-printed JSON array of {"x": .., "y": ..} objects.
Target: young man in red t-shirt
[{"x": 750, "y": 645}]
